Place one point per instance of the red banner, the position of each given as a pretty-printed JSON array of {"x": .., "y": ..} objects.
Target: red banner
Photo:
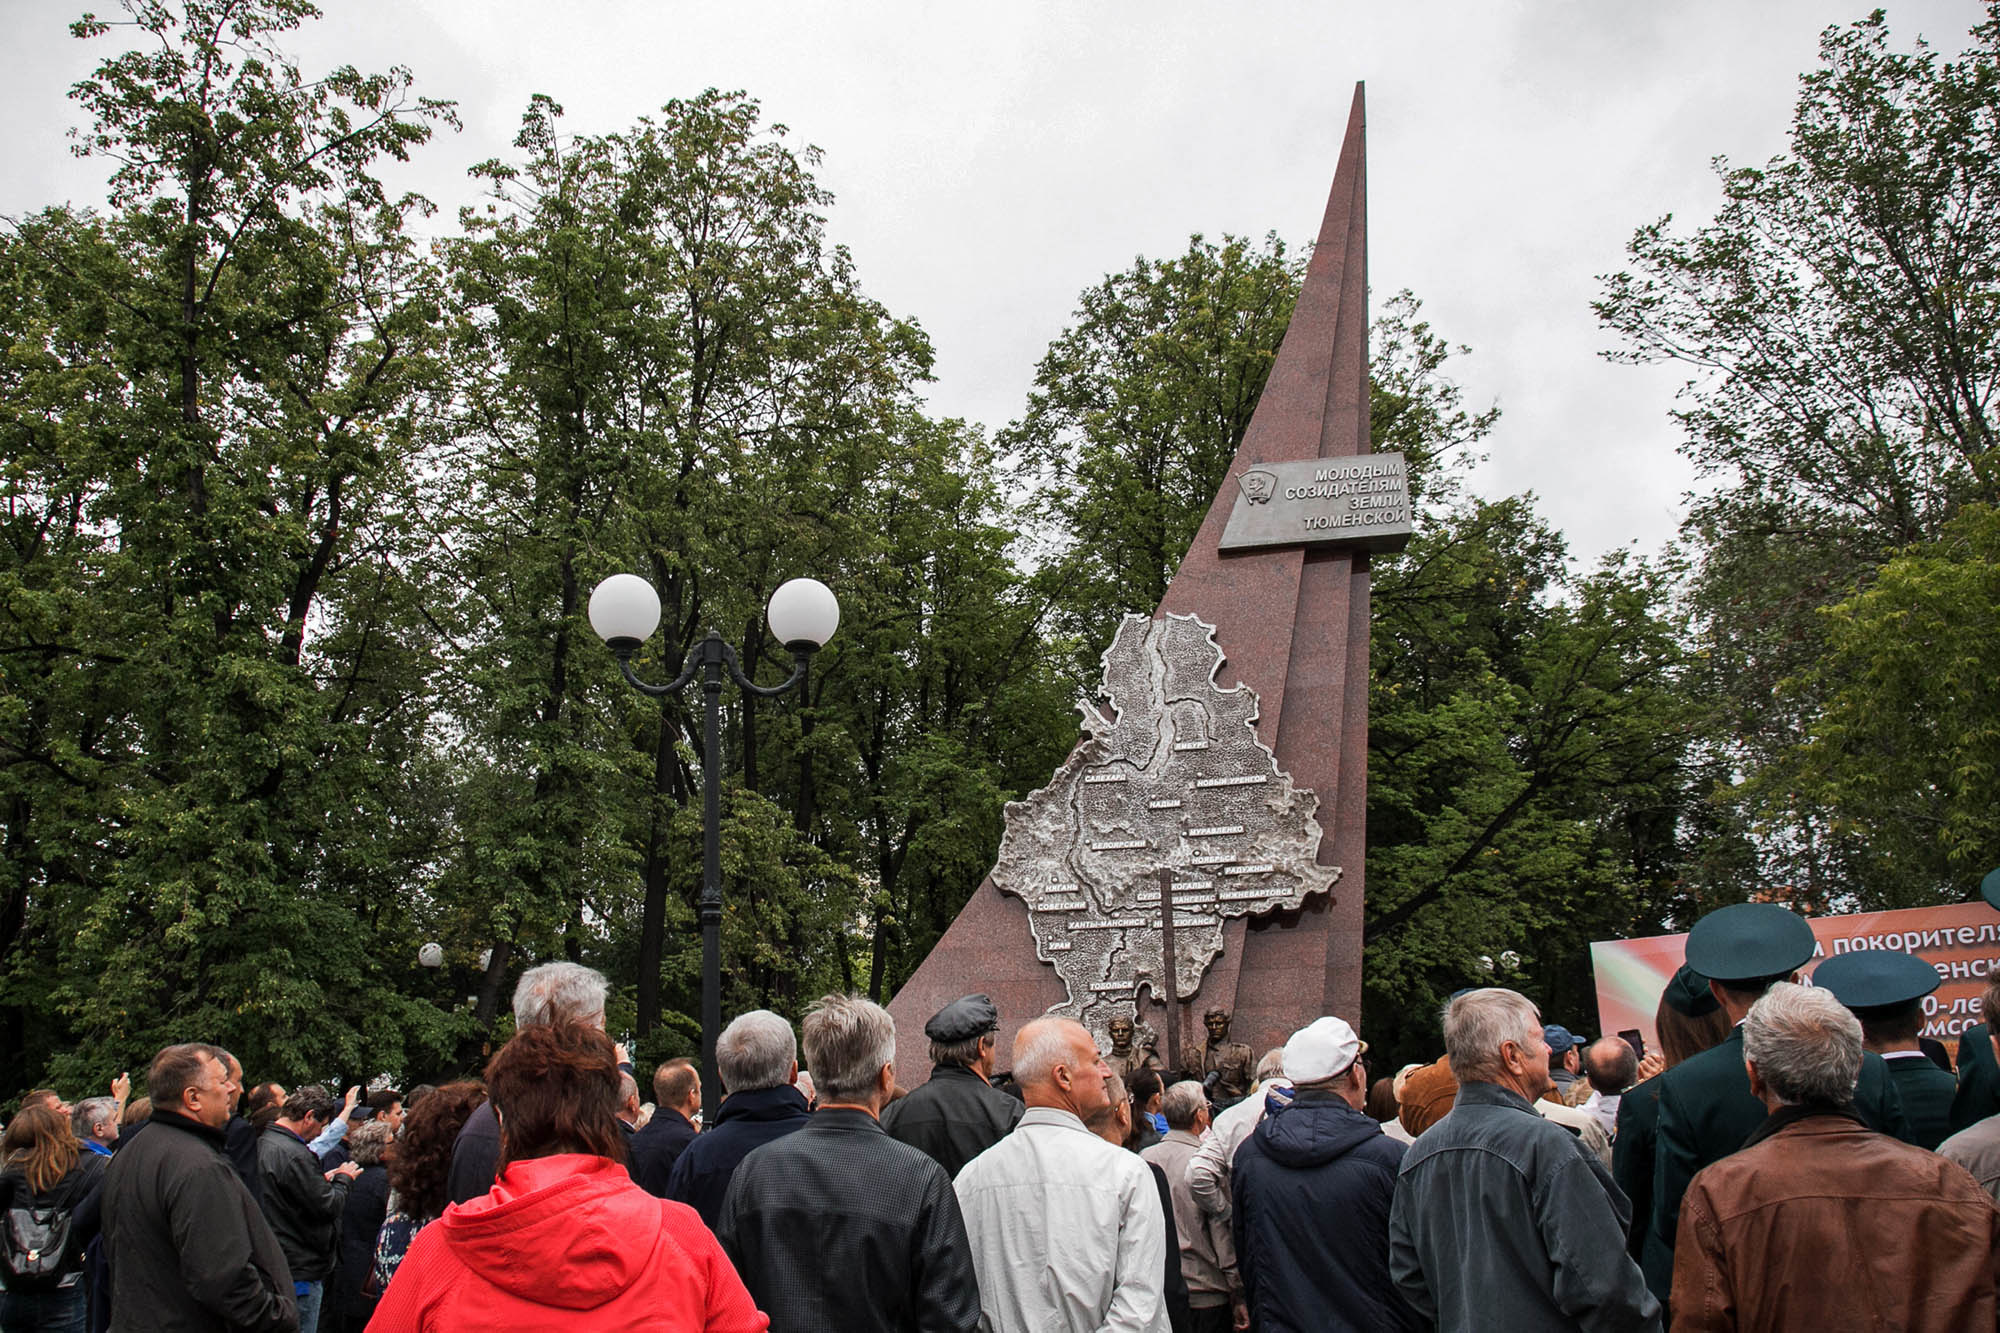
[{"x": 1961, "y": 941}]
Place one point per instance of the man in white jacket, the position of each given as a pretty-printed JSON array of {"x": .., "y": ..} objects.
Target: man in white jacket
[{"x": 1067, "y": 1231}]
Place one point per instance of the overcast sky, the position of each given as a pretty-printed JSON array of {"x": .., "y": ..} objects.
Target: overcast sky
[{"x": 991, "y": 161}]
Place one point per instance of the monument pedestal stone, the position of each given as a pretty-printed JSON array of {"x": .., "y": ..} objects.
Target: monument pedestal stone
[{"x": 1248, "y": 786}]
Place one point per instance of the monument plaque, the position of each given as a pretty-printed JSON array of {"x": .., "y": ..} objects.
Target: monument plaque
[
  {"x": 1221, "y": 778},
  {"x": 1362, "y": 502}
]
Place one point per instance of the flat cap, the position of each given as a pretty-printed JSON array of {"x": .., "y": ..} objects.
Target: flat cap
[
  {"x": 1876, "y": 978},
  {"x": 963, "y": 1019},
  {"x": 1749, "y": 942},
  {"x": 1989, "y": 889},
  {"x": 1688, "y": 994}
]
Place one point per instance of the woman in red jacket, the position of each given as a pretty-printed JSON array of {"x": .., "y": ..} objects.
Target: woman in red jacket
[{"x": 565, "y": 1239}]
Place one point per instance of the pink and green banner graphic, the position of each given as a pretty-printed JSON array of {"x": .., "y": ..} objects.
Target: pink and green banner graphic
[{"x": 1961, "y": 941}]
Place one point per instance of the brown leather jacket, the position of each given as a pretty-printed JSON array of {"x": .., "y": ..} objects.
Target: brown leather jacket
[{"x": 1824, "y": 1224}]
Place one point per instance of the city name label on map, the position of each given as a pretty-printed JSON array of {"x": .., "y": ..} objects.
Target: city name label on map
[{"x": 1362, "y": 502}]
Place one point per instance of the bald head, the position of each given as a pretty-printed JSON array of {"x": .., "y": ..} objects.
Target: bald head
[
  {"x": 1611, "y": 1065},
  {"x": 1056, "y": 1065}
]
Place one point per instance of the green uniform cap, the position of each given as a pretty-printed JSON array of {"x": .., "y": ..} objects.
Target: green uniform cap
[
  {"x": 1688, "y": 993},
  {"x": 1876, "y": 978},
  {"x": 1749, "y": 942}
]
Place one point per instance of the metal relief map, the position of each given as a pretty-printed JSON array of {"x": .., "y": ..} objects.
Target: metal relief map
[{"x": 1175, "y": 778}]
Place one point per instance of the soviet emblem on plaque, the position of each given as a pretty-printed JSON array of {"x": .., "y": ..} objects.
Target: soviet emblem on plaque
[
  {"x": 1174, "y": 779},
  {"x": 1258, "y": 485}
]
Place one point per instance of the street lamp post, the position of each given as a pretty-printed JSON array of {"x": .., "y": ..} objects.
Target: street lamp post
[{"x": 802, "y": 615}]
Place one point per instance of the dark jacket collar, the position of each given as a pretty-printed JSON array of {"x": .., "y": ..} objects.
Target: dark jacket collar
[
  {"x": 175, "y": 1120},
  {"x": 1786, "y": 1116},
  {"x": 783, "y": 1102},
  {"x": 959, "y": 1072},
  {"x": 666, "y": 1120}
]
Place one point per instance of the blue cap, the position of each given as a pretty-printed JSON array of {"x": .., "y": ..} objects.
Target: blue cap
[
  {"x": 1989, "y": 889},
  {"x": 1876, "y": 978},
  {"x": 1749, "y": 942},
  {"x": 1558, "y": 1037}
]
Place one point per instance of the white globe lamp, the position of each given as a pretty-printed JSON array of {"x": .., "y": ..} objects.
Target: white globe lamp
[
  {"x": 624, "y": 610},
  {"x": 803, "y": 615}
]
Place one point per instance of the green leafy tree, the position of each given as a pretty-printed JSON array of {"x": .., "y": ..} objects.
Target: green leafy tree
[
  {"x": 940, "y": 692},
  {"x": 209, "y": 630},
  {"x": 1534, "y": 781},
  {"x": 1839, "y": 318},
  {"x": 1136, "y": 411},
  {"x": 664, "y": 367},
  {"x": 1904, "y": 744}
]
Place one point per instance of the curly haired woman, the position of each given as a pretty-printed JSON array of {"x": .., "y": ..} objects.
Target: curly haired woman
[{"x": 418, "y": 1172}]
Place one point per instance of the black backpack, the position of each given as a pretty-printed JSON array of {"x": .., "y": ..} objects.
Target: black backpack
[{"x": 34, "y": 1239}]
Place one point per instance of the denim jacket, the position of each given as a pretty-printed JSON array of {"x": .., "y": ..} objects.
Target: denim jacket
[{"x": 1503, "y": 1220}]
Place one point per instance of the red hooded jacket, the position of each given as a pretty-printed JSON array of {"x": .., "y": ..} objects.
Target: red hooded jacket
[{"x": 567, "y": 1242}]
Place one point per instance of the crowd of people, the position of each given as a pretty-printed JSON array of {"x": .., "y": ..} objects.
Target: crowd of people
[{"x": 1792, "y": 1157}]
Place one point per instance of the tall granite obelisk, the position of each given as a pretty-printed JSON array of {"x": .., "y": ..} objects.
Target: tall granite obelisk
[{"x": 1279, "y": 573}]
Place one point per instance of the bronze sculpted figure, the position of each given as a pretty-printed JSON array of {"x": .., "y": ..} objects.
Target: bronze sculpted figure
[
  {"x": 1227, "y": 1067},
  {"x": 1127, "y": 1055}
]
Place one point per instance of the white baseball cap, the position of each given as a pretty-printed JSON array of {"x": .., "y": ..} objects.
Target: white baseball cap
[{"x": 1321, "y": 1049}]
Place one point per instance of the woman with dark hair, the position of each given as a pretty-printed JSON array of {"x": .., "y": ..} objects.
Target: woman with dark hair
[
  {"x": 564, "y": 1239},
  {"x": 1145, "y": 1090},
  {"x": 54, "y": 1184},
  {"x": 1689, "y": 1021},
  {"x": 420, "y": 1171},
  {"x": 1684, "y": 1035},
  {"x": 1382, "y": 1099}
]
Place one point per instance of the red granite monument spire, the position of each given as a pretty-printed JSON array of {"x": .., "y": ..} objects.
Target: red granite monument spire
[
  {"x": 1292, "y": 622},
  {"x": 1294, "y": 625}
]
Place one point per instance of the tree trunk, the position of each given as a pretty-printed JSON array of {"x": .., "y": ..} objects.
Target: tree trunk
[
  {"x": 878, "y": 956},
  {"x": 653, "y": 910},
  {"x": 487, "y": 1007}
]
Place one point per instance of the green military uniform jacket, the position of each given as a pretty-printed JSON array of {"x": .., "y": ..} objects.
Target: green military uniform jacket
[
  {"x": 1978, "y": 1080},
  {"x": 1632, "y": 1157},
  {"x": 1926, "y": 1093},
  {"x": 1706, "y": 1111}
]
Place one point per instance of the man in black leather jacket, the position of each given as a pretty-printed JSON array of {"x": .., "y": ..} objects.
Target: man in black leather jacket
[
  {"x": 958, "y": 1114},
  {"x": 302, "y": 1203}
]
